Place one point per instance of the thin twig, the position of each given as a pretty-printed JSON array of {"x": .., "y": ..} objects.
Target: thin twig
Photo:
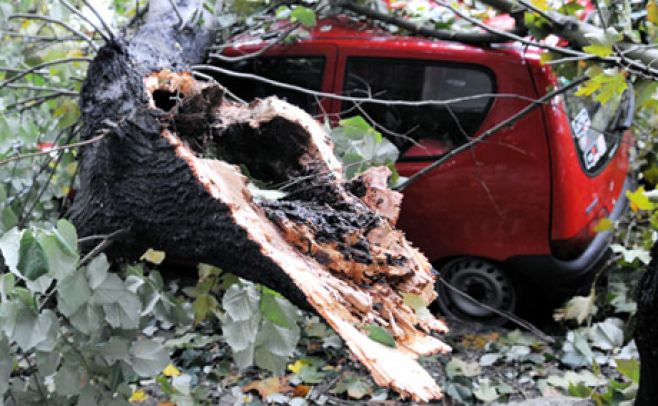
[
  {"x": 57, "y": 148},
  {"x": 32, "y": 102},
  {"x": 34, "y": 68},
  {"x": 335, "y": 96},
  {"x": 55, "y": 21},
  {"x": 282, "y": 36},
  {"x": 100, "y": 18},
  {"x": 83, "y": 17},
  {"x": 508, "y": 316},
  {"x": 505, "y": 123},
  {"x": 107, "y": 241},
  {"x": 41, "y": 88}
]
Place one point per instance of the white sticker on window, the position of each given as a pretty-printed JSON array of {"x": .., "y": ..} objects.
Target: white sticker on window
[
  {"x": 595, "y": 152},
  {"x": 581, "y": 123}
]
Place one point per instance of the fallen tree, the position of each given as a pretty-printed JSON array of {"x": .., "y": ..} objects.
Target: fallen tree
[{"x": 166, "y": 169}]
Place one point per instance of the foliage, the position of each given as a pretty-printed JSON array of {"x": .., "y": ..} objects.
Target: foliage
[{"x": 70, "y": 328}]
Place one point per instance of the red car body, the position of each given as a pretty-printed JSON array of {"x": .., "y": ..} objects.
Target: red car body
[{"x": 523, "y": 198}]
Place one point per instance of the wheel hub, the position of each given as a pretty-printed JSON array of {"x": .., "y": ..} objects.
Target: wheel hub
[{"x": 484, "y": 281}]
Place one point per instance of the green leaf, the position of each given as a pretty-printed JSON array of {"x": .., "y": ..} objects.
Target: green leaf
[
  {"x": 277, "y": 309},
  {"x": 418, "y": 304},
  {"x": 652, "y": 12},
  {"x": 630, "y": 368},
  {"x": 32, "y": 329},
  {"x": 153, "y": 256},
  {"x": 380, "y": 335},
  {"x": 204, "y": 305},
  {"x": 304, "y": 15},
  {"x": 579, "y": 390},
  {"x": 125, "y": 313},
  {"x": 67, "y": 236},
  {"x": 543, "y": 5},
  {"x": 6, "y": 365},
  {"x": 88, "y": 319},
  {"x": 639, "y": 200},
  {"x": 7, "y": 282},
  {"x": 61, "y": 262},
  {"x": 69, "y": 379},
  {"x": 278, "y": 340},
  {"x": 148, "y": 358},
  {"x": 97, "y": 271},
  {"x": 486, "y": 393},
  {"x": 601, "y": 50},
  {"x": 240, "y": 334},
  {"x": 32, "y": 261},
  {"x": 605, "y": 85},
  {"x": 356, "y": 387},
  {"x": 241, "y": 301},
  {"x": 109, "y": 291},
  {"x": 10, "y": 244},
  {"x": 116, "y": 349},
  {"x": 73, "y": 292}
]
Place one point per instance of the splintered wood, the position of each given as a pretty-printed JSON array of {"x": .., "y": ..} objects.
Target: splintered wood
[{"x": 335, "y": 240}]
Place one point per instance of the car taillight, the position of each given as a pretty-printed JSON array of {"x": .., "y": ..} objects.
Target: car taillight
[{"x": 572, "y": 247}]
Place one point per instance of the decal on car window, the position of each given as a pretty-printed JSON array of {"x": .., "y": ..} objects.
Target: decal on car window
[{"x": 581, "y": 123}]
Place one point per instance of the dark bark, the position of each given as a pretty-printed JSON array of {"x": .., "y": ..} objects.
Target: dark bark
[
  {"x": 166, "y": 171},
  {"x": 646, "y": 333}
]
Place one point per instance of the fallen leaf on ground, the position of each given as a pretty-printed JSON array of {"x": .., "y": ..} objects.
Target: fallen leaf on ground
[{"x": 269, "y": 386}]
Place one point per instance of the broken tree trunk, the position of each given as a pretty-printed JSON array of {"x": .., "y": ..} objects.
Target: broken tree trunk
[
  {"x": 646, "y": 333},
  {"x": 167, "y": 170}
]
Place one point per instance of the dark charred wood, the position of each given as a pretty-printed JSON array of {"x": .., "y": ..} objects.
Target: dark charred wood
[{"x": 646, "y": 333}]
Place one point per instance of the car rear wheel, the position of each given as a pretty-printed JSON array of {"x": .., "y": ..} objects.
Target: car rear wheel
[{"x": 483, "y": 280}]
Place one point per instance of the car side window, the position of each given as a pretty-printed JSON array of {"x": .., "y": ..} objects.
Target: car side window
[
  {"x": 413, "y": 80},
  {"x": 306, "y": 72}
]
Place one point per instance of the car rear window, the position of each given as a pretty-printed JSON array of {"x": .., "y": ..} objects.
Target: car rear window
[
  {"x": 401, "y": 79},
  {"x": 594, "y": 127},
  {"x": 306, "y": 72}
]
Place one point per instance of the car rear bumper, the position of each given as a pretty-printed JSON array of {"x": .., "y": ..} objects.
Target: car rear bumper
[{"x": 567, "y": 275}]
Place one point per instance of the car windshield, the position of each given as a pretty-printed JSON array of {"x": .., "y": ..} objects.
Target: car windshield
[{"x": 594, "y": 127}]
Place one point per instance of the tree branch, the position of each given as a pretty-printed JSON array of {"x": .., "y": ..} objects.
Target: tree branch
[
  {"x": 34, "y": 68},
  {"x": 505, "y": 123},
  {"x": 55, "y": 21},
  {"x": 57, "y": 148}
]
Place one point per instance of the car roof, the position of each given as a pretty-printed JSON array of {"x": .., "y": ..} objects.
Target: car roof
[{"x": 344, "y": 28}]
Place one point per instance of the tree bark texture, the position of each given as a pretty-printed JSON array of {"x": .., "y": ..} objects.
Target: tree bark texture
[
  {"x": 646, "y": 333},
  {"x": 168, "y": 171}
]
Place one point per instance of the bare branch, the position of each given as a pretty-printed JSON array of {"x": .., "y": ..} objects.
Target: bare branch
[
  {"x": 34, "y": 68},
  {"x": 66, "y": 92},
  {"x": 100, "y": 18},
  {"x": 449, "y": 35},
  {"x": 282, "y": 36},
  {"x": 57, "y": 148},
  {"x": 476, "y": 140},
  {"x": 335, "y": 96},
  {"x": 83, "y": 17},
  {"x": 32, "y": 102},
  {"x": 55, "y": 21}
]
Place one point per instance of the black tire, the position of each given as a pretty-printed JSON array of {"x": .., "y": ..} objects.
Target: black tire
[{"x": 485, "y": 281}]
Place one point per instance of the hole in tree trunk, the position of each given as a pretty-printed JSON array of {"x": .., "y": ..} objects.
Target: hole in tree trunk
[{"x": 165, "y": 100}]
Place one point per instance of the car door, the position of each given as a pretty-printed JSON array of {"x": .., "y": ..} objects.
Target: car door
[{"x": 491, "y": 200}]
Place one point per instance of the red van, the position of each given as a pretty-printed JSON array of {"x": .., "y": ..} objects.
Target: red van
[{"x": 517, "y": 209}]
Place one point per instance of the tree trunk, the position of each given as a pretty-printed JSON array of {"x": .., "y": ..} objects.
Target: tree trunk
[
  {"x": 646, "y": 333},
  {"x": 167, "y": 171}
]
